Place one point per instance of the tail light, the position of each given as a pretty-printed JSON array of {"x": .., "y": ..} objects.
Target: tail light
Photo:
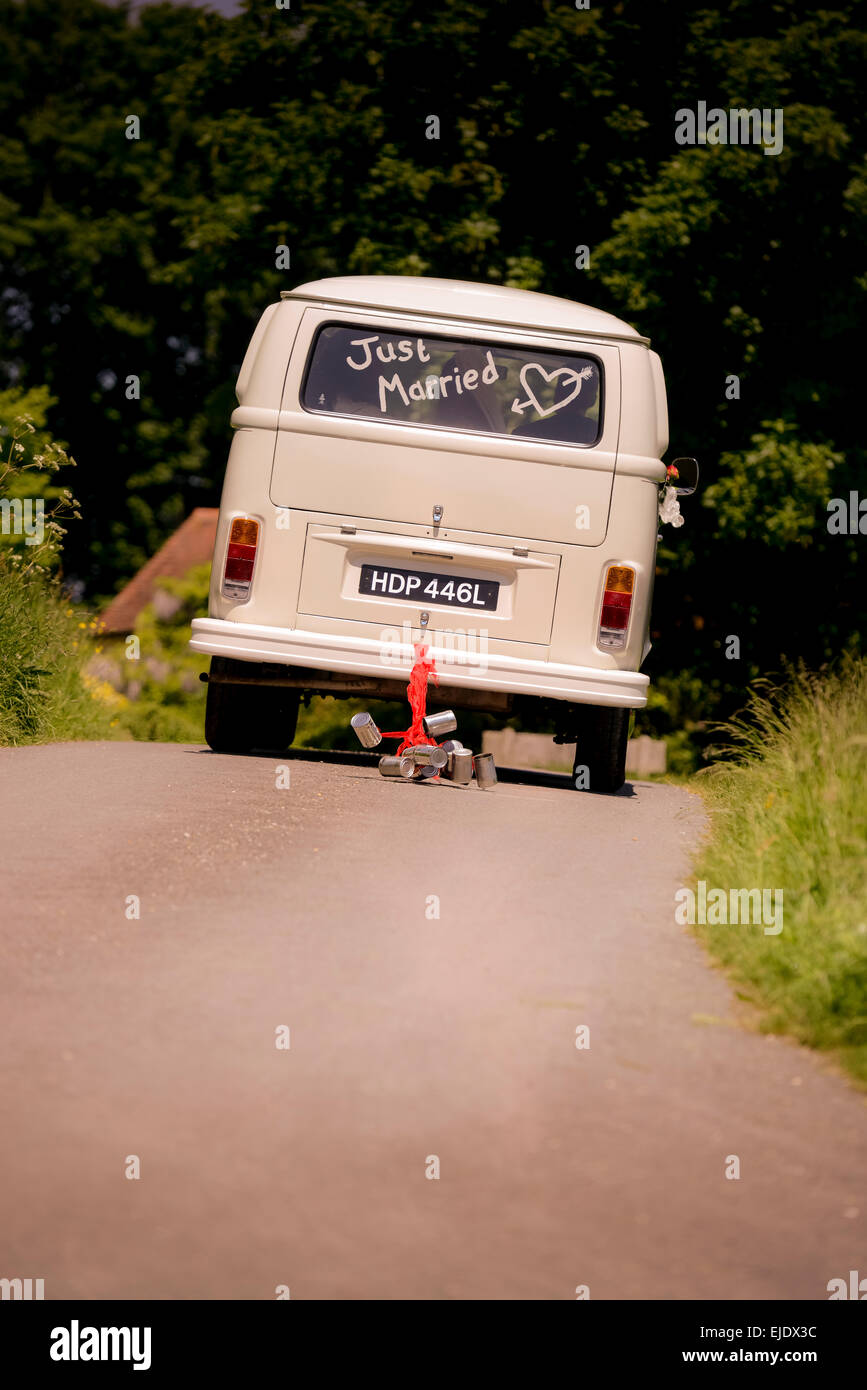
[
  {"x": 240, "y": 559},
  {"x": 616, "y": 606}
]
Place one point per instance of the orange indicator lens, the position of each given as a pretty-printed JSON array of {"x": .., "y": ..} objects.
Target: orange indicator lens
[
  {"x": 619, "y": 580},
  {"x": 245, "y": 531}
]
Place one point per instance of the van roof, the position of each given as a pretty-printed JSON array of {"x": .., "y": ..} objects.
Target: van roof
[{"x": 464, "y": 299}]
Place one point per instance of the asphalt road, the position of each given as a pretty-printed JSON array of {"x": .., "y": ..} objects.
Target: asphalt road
[{"x": 311, "y": 907}]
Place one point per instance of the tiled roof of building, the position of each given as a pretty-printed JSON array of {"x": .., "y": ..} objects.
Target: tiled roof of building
[{"x": 192, "y": 544}]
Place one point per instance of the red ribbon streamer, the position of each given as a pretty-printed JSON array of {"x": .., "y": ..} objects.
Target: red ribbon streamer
[{"x": 416, "y": 692}]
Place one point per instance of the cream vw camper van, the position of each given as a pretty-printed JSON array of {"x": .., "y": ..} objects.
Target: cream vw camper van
[{"x": 429, "y": 461}]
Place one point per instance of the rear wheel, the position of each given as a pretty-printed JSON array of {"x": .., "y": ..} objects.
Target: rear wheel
[
  {"x": 239, "y": 718},
  {"x": 600, "y": 754}
]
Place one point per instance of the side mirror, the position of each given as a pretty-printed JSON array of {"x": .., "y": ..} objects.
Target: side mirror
[{"x": 686, "y": 481}]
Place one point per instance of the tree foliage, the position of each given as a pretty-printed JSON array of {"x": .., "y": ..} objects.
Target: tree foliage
[{"x": 153, "y": 257}]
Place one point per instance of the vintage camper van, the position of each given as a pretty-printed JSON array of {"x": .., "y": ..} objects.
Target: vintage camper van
[{"x": 467, "y": 466}]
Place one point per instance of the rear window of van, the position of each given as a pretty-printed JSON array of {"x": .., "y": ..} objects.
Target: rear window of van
[{"x": 454, "y": 384}]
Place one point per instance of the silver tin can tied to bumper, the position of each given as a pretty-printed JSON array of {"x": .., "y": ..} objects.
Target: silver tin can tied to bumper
[
  {"x": 397, "y": 767},
  {"x": 424, "y": 754},
  {"x": 368, "y": 734},
  {"x": 450, "y": 747},
  {"x": 423, "y": 774},
  {"x": 435, "y": 725},
  {"x": 460, "y": 768},
  {"x": 486, "y": 772}
]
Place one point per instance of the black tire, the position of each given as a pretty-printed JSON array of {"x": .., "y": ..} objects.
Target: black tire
[
  {"x": 602, "y": 736},
  {"x": 239, "y": 718}
]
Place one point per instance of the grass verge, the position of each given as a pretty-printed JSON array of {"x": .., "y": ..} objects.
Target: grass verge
[
  {"x": 44, "y": 645},
  {"x": 789, "y": 811}
]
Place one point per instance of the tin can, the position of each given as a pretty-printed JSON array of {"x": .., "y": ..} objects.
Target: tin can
[
  {"x": 460, "y": 770},
  {"x": 423, "y": 754},
  {"x": 424, "y": 774},
  {"x": 368, "y": 734},
  {"x": 450, "y": 747},
  {"x": 486, "y": 772},
  {"x": 435, "y": 725},
  {"x": 397, "y": 767}
]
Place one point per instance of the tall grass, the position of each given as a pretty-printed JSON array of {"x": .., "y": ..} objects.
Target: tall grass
[
  {"x": 789, "y": 811},
  {"x": 43, "y": 646},
  {"x": 44, "y": 643}
]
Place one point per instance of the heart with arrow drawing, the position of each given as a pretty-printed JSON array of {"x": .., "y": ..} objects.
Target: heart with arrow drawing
[{"x": 577, "y": 378}]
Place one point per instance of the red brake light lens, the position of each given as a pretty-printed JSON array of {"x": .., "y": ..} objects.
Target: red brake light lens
[
  {"x": 240, "y": 559},
  {"x": 616, "y": 607}
]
